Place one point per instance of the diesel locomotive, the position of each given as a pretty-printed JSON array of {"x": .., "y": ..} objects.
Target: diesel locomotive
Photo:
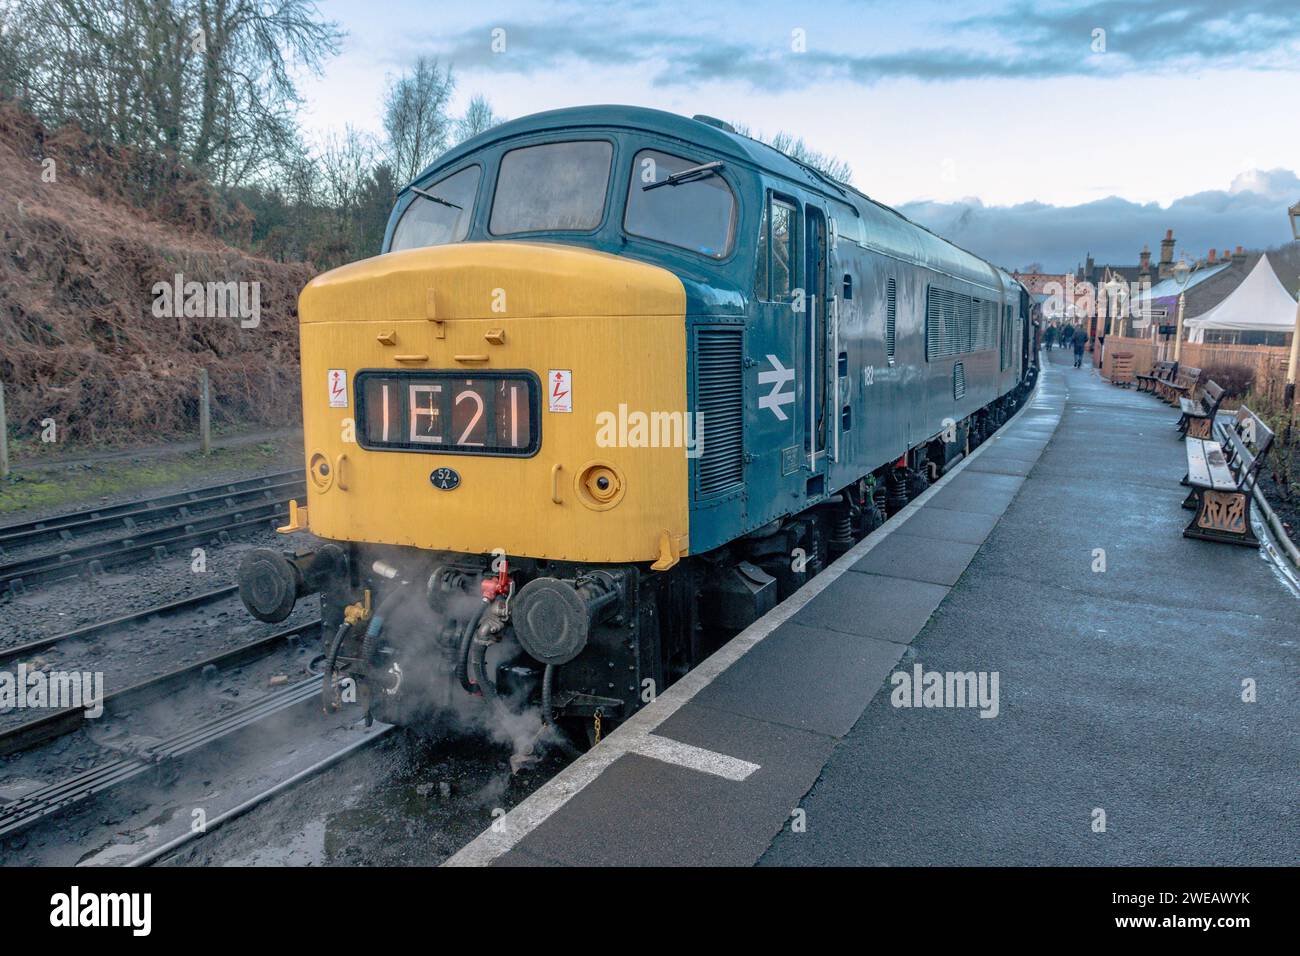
[{"x": 619, "y": 382}]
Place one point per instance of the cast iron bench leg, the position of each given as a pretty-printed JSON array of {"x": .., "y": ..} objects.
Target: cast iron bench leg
[{"x": 1223, "y": 516}]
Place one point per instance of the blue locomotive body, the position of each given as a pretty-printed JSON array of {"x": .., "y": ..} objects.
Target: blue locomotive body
[{"x": 826, "y": 339}]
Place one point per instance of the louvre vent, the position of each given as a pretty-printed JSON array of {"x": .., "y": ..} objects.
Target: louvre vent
[
  {"x": 720, "y": 406},
  {"x": 940, "y": 323},
  {"x": 956, "y": 324},
  {"x": 958, "y": 380},
  {"x": 891, "y": 319}
]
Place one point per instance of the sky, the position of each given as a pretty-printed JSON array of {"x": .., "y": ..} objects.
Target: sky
[{"x": 1033, "y": 131}]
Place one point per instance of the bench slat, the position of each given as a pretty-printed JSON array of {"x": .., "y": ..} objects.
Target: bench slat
[
  {"x": 1207, "y": 467},
  {"x": 1198, "y": 471},
  {"x": 1220, "y": 474}
]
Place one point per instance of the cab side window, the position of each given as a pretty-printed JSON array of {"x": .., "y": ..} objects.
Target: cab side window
[
  {"x": 777, "y": 252},
  {"x": 784, "y": 220}
]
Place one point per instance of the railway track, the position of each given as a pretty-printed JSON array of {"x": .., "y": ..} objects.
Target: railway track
[
  {"x": 67, "y": 526},
  {"x": 157, "y": 853},
  {"x": 125, "y": 621},
  {"x": 60, "y": 722},
  {"x": 59, "y": 796},
  {"x": 17, "y": 576}
]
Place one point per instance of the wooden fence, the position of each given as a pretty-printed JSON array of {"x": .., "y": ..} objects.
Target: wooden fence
[{"x": 1267, "y": 362}]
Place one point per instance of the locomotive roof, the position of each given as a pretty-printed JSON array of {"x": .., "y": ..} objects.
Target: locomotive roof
[{"x": 887, "y": 230}]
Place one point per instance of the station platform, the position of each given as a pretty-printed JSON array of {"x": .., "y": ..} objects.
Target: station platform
[{"x": 1052, "y": 559}]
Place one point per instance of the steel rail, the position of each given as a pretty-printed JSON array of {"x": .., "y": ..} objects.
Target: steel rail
[
  {"x": 100, "y": 628},
  {"x": 16, "y": 575},
  {"x": 129, "y": 508},
  {"x": 95, "y": 779},
  {"x": 158, "y": 852},
  {"x": 129, "y": 522},
  {"x": 58, "y": 796},
  {"x": 60, "y": 722}
]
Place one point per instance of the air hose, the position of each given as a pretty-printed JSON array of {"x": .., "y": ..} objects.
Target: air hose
[
  {"x": 548, "y": 676},
  {"x": 327, "y": 685},
  {"x": 371, "y": 642},
  {"x": 478, "y": 664},
  {"x": 463, "y": 647}
]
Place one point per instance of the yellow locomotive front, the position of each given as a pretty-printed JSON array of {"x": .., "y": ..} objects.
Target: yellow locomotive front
[
  {"x": 492, "y": 361},
  {"x": 459, "y": 476}
]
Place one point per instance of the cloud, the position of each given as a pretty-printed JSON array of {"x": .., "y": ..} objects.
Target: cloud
[
  {"x": 1197, "y": 29},
  {"x": 1276, "y": 184},
  {"x": 1022, "y": 40},
  {"x": 1250, "y": 213}
]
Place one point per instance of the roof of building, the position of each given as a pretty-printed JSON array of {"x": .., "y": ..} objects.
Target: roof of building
[{"x": 1169, "y": 288}]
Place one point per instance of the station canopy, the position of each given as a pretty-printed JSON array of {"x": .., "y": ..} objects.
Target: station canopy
[{"x": 1259, "y": 304}]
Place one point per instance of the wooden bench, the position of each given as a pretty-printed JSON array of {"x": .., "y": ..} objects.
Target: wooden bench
[
  {"x": 1170, "y": 376},
  {"x": 1183, "y": 384},
  {"x": 1222, "y": 480},
  {"x": 1162, "y": 370},
  {"x": 1197, "y": 420},
  {"x": 1121, "y": 369}
]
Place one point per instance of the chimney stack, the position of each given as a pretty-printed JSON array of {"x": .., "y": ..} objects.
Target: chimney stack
[
  {"x": 1211, "y": 260},
  {"x": 1167, "y": 255},
  {"x": 1239, "y": 254},
  {"x": 1145, "y": 260}
]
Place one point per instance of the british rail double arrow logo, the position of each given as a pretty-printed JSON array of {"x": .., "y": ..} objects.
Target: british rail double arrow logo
[{"x": 777, "y": 377}]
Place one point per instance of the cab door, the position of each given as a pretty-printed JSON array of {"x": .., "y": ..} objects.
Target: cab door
[
  {"x": 777, "y": 350},
  {"x": 814, "y": 363}
]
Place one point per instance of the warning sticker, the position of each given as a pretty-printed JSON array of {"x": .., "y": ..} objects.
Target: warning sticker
[
  {"x": 338, "y": 387},
  {"x": 559, "y": 390}
]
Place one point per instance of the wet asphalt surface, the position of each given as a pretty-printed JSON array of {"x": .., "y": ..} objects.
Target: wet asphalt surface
[{"x": 1121, "y": 691}]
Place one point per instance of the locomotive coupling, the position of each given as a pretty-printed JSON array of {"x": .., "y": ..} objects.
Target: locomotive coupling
[
  {"x": 270, "y": 582},
  {"x": 553, "y": 618}
]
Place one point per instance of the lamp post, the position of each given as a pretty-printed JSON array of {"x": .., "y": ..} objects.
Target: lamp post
[
  {"x": 1122, "y": 314},
  {"x": 1288, "y": 396},
  {"x": 1112, "y": 297},
  {"x": 1182, "y": 272},
  {"x": 1114, "y": 309}
]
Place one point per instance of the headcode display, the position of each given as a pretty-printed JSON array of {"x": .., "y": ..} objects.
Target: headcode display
[{"x": 488, "y": 413}]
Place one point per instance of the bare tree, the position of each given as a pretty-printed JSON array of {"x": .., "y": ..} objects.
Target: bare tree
[
  {"x": 824, "y": 163},
  {"x": 415, "y": 117},
  {"x": 478, "y": 118},
  {"x": 345, "y": 161},
  {"x": 207, "y": 80},
  {"x": 247, "y": 97},
  {"x": 796, "y": 149},
  {"x": 16, "y": 54}
]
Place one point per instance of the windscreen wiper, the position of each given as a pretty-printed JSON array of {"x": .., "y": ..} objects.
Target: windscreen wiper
[
  {"x": 687, "y": 175},
  {"x": 432, "y": 198}
]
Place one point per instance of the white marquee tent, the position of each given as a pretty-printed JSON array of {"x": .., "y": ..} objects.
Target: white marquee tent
[{"x": 1259, "y": 304}]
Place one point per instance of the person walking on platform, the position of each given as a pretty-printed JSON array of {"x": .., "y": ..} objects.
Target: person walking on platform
[
  {"x": 1080, "y": 340},
  {"x": 1050, "y": 338},
  {"x": 1066, "y": 332}
]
